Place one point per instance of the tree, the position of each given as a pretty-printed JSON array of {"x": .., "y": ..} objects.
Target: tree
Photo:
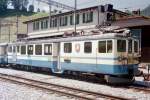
[
  {"x": 3, "y": 5},
  {"x": 31, "y": 8},
  {"x": 38, "y": 10},
  {"x": 20, "y": 4}
]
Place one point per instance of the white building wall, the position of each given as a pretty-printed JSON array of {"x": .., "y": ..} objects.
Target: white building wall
[{"x": 69, "y": 28}]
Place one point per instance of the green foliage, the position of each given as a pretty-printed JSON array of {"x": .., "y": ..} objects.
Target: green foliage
[
  {"x": 31, "y": 8},
  {"x": 12, "y": 12},
  {"x": 3, "y": 5},
  {"x": 20, "y": 4}
]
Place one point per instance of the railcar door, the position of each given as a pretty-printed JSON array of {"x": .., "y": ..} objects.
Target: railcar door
[
  {"x": 133, "y": 51},
  {"x": 104, "y": 56},
  {"x": 56, "y": 57},
  {"x": 3, "y": 54},
  {"x": 14, "y": 55},
  {"x": 30, "y": 53}
]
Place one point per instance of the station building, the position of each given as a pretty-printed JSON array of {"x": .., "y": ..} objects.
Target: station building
[{"x": 89, "y": 18}]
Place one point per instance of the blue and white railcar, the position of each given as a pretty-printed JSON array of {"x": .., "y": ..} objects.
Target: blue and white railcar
[{"x": 111, "y": 55}]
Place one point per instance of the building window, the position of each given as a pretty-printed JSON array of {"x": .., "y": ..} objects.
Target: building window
[
  {"x": 130, "y": 46},
  {"x": 44, "y": 24},
  {"x": 18, "y": 49},
  {"x": 102, "y": 46},
  {"x": 109, "y": 46},
  {"x": 30, "y": 49},
  {"x": 23, "y": 50},
  {"x": 88, "y": 17},
  {"x": 48, "y": 49},
  {"x": 121, "y": 45},
  {"x": 135, "y": 46},
  {"x": 10, "y": 49},
  {"x": 38, "y": 49},
  {"x": 53, "y": 22},
  {"x": 72, "y": 19},
  {"x": 88, "y": 47},
  {"x": 67, "y": 47},
  {"x": 63, "y": 21},
  {"x": 36, "y": 25}
]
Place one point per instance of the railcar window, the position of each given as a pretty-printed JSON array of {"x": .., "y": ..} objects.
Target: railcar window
[
  {"x": 109, "y": 46},
  {"x": 30, "y": 49},
  {"x": 135, "y": 46},
  {"x": 10, "y": 49},
  {"x": 23, "y": 50},
  {"x": 18, "y": 49},
  {"x": 88, "y": 47},
  {"x": 130, "y": 46},
  {"x": 48, "y": 49},
  {"x": 38, "y": 49},
  {"x": 102, "y": 46},
  {"x": 121, "y": 45},
  {"x": 67, "y": 47}
]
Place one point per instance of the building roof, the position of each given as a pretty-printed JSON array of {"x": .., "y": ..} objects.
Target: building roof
[
  {"x": 133, "y": 21},
  {"x": 70, "y": 12}
]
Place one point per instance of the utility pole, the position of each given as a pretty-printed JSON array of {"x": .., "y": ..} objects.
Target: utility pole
[
  {"x": 50, "y": 14},
  {"x": 9, "y": 32},
  {"x": 99, "y": 7},
  {"x": 75, "y": 26},
  {"x": 0, "y": 30}
]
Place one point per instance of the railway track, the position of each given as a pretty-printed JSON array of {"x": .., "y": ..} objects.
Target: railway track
[
  {"x": 63, "y": 90},
  {"x": 137, "y": 88}
]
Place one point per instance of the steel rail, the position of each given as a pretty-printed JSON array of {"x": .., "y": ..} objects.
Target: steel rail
[
  {"x": 144, "y": 89},
  {"x": 59, "y": 88}
]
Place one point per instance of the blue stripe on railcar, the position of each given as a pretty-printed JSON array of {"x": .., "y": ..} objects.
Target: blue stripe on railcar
[
  {"x": 3, "y": 60},
  {"x": 100, "y": 68},
  {"x": 38, "y": 63}
]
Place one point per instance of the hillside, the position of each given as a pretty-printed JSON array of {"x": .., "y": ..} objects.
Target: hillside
[{"x": 8, "y": 33}]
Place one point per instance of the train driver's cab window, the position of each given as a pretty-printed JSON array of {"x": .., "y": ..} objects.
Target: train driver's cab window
[
  {"x": 88, "y": 47},
  {"x": 121, "y": 45},
  {"x": 23, "y": 50},
  {"x": 105, "y": 46},
  {"x": 38, "y": 49},
  {"x": 18, "y": 49},
  {"x": 67, "y": 47},
  {"x": 30, "y": 49},
  {"x": 48, "y": 49},
  {"x": 102, "y": 46},
  {"x": 130, "y": 46},
  {"x": 135, "y": 46},
  {"x": 10, "y": 49}
]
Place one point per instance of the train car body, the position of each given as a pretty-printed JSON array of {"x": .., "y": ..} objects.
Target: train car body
[{"x": 111, "y": 55}]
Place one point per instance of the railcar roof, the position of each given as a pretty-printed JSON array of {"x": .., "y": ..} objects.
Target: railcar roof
[{"x": 76, "y": 38}]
